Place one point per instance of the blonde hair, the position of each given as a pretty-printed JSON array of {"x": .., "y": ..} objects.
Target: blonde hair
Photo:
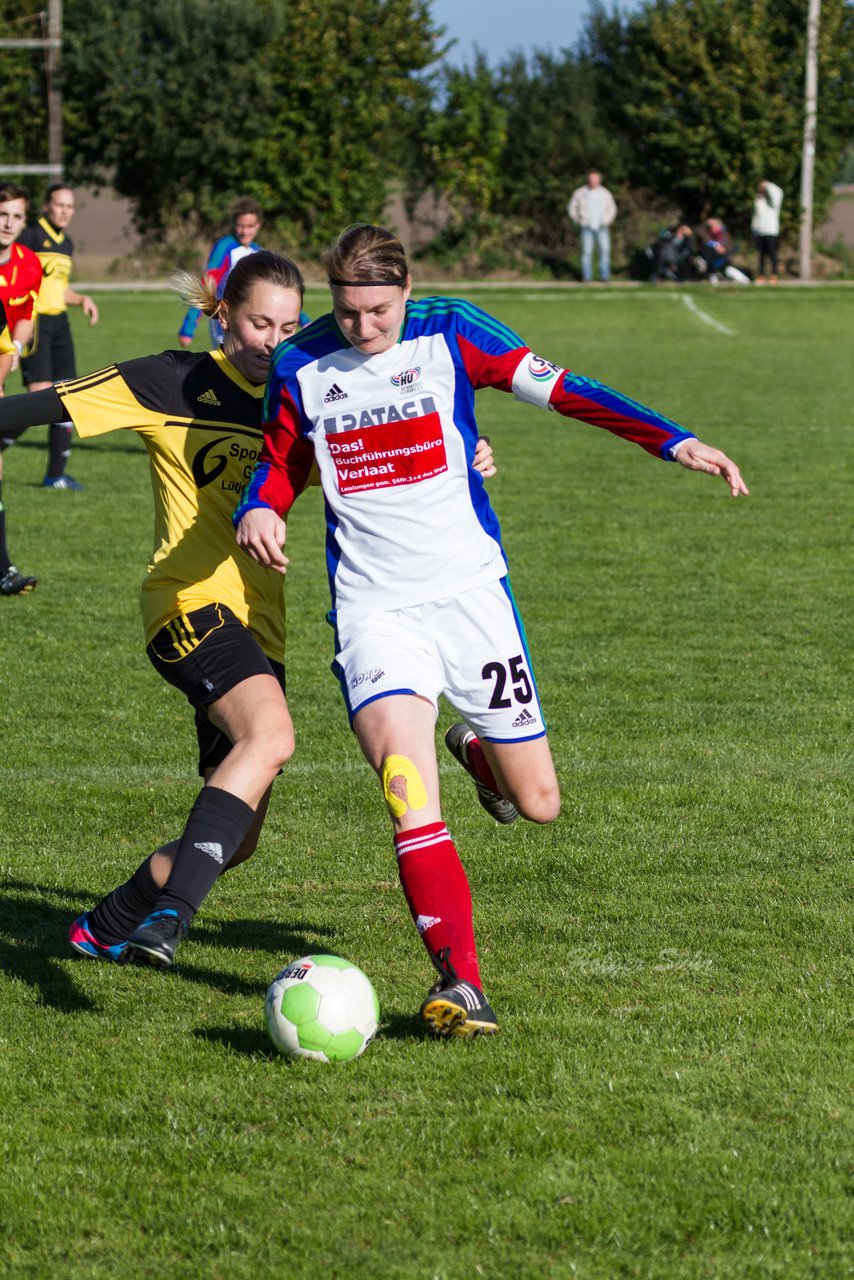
[
  {"x": 365, "y": 254},
  {"x": 271, "y": 268}
]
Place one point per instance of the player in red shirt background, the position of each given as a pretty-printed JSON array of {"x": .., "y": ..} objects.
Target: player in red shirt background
[{"x": 20, "y": 278}]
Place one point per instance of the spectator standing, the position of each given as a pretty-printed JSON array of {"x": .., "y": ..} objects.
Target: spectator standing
[
  {"x": 52, "y": 359},
  {"x": 245, "y": 226},
  {"x": 765, "y": 226},
  {"x": 593, "y": 209}
]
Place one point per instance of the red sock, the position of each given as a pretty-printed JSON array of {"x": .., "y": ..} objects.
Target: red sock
[
  {"x": 438, "y": 894},
  {"x": 480, "y": 764}
]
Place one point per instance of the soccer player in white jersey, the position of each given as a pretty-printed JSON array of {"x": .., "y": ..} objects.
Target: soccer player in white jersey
[{"x": 381, "y": 394}]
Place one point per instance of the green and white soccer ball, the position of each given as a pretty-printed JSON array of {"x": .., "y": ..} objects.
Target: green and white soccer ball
[{"x": 321, "y": 1007}]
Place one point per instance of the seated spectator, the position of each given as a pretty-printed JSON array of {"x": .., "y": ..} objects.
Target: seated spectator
[
  {"x": 672, "y": 254},
  {"x": 716, "y": 249}
]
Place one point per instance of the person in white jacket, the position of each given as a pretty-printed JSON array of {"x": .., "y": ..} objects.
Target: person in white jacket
[
  {"x": 593, "y": 209},
  {"x": 765, "y": 226}
]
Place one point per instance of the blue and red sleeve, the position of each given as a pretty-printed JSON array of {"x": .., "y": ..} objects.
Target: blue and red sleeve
[
  {"x": 494, "y": 356},
  {"x": 575, "y": 396}
]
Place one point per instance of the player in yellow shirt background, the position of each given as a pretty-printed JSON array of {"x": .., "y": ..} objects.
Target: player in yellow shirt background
[{"x": 52, "y": 359}]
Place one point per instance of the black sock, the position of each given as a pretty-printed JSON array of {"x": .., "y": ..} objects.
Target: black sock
[
  {"x": 214, "y": 832},
  {"x": 116, "y": 916},
  {"x": 58, "y": 448},
  {"x": 5, "y": 562}
]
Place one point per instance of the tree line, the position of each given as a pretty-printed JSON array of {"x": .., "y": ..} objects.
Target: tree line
[{"x": 322, "y": 109}]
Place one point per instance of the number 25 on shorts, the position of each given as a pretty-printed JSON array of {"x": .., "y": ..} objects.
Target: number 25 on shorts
[{"x": 512, "y": 672}]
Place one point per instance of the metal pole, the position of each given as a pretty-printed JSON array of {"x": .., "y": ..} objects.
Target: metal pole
[
  {"x": 53, "y": 45},
  {"x": 808, "y": 154}
]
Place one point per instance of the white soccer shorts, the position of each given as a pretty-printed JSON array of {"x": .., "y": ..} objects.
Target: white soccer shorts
[{"x": 470, "y": 647}]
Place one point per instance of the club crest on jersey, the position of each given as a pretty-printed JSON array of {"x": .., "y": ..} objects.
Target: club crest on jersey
[
  {"x": 407, "y": 379},
  {"x": 542, "y": 370}
]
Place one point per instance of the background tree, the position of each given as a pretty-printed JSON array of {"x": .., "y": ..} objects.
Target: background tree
[
  {"x": 346, "y": 94},
  {"x": 320, "y": 108},
  {"x": 708, "y": 97},
  {"x": 458, "y": 154},
  {"x": 182, "y": 104},
  {"x": 164, "y": 96},
  {"x": 23, "y": 103},
  {"x": 555, "y": 133}
]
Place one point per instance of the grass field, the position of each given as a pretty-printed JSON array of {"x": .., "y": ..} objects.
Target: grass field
[{"x": 669, "y": 1096}]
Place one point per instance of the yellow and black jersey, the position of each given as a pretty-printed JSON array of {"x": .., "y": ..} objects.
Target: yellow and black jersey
[
  {"x": 200, "y": 421},
  {"x": 53, "y": 249}
]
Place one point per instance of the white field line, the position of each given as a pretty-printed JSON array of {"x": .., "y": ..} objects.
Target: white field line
[
  {"x": 685, "y": 298},
  {"x": 689, "y": 302}
]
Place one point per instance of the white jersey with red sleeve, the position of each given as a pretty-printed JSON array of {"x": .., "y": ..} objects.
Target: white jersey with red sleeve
[{"x": 394, "y": 435}]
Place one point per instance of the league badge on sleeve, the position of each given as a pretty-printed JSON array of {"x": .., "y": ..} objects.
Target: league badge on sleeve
[{"x": 534, "y": 380}]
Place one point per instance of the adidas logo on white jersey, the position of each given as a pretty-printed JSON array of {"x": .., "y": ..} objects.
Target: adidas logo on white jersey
[
  {"x": 524, "y": 718},
  {"x": 334, "y": 393},
  {"x": 423, "y": 923},
  {"x": 208, "y": 397},
  {"x": 211, "y": 848}
]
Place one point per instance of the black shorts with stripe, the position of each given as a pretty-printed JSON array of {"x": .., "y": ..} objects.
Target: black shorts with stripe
[
  {"x": 204, "y": 654},
  {"x": 53, "y": 358}
]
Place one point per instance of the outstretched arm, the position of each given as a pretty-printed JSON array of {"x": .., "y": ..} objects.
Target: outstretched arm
[{"x": 19, "y": 412}]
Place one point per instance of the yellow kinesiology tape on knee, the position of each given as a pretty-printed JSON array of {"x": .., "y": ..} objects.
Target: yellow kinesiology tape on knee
[{"x": 402, "y": 786}]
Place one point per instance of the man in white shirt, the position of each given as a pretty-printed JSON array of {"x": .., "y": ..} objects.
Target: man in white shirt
[
  {"x": 765, "y": 226},
  {"x": 593, "y": 209}
]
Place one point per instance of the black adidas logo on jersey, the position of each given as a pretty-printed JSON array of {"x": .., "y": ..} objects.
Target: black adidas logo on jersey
[
  {"x": 209, "y": 397},
  {"x": 334, "y": 393},
  {"x": 523, "y": 719}
]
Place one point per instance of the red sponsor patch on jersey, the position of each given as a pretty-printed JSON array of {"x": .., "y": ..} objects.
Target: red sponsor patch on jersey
[{"x": 384, "y": 456}]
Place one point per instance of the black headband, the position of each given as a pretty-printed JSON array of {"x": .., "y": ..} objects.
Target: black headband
[{"x": 367, "y": 284}]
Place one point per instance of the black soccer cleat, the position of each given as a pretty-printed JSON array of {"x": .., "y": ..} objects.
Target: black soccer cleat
[
  {"x": 457, "y": 1008},
  {"x": 496, "y": 805},
  {"x": 13, "y": 583},
  {"x": 155, "y": 941}
]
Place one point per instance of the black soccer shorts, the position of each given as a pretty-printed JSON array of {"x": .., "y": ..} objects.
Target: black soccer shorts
[
  {"x": 204, "y": 654},
  {"x": 53, "y": 358}
]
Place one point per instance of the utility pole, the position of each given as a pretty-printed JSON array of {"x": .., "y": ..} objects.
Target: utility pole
[
  {"x": 808, "y": 153},
  {"x": 52, "y": 51}
]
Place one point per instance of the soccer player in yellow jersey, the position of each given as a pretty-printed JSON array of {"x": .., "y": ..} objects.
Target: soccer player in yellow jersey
[
  {"x": 214, "y": 621},
  {"x": 52, "y": 359}
]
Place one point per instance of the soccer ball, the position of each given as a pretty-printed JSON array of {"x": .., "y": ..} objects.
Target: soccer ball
[{"x": 321, "y": 1007}]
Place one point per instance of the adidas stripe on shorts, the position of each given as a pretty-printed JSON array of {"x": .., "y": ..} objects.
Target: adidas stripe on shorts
[{"x": 470, "y": 647}]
